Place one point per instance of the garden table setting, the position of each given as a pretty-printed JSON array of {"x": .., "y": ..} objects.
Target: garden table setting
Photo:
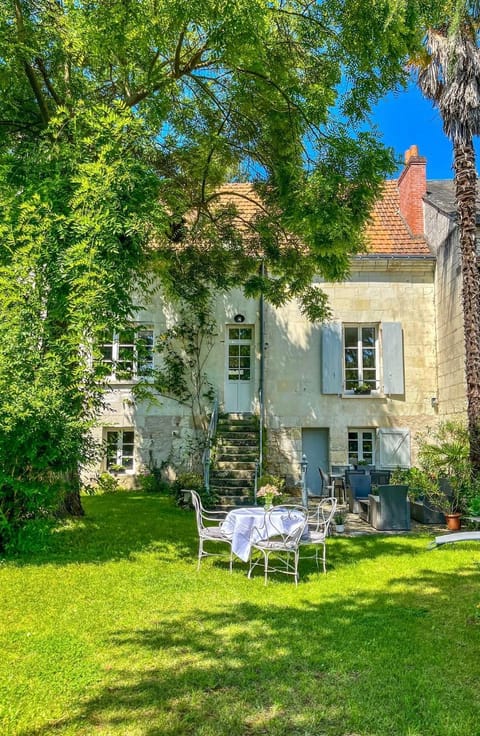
[{"x": 249, "y": 524}]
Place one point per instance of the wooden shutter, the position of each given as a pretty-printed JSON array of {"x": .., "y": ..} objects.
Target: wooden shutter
[
  {"x": 392, "y": 344},
  {"x": 332, "y": 371},
  {"x": 394, "y": 448}
]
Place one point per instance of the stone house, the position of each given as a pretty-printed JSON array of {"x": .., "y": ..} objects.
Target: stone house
[{"x": 357, "y": 389}]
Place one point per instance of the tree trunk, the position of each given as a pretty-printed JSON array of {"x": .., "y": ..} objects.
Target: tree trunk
[
  {"x": 71, "y": 504},
  {"x": 465, "y": 188}
]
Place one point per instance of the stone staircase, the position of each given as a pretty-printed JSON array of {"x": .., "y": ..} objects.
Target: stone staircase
[{"x": 236, "y": 450}]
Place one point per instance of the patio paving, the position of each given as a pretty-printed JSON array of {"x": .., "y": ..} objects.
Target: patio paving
[{"x": 356, "y": 527}]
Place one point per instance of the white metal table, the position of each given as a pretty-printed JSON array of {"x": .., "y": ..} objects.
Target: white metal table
[{"x": 241, "y": 525}]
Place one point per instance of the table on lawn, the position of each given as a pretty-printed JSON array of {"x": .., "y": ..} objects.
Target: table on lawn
[{"x": 248, "y": 524}]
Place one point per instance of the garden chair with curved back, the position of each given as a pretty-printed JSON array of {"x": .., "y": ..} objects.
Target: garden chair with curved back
[
  {"x": 319, "y": 521},
  {"x": 209, "y": 531},
  {"x": 278, "y": 540},
  {"x": 328, "y": 486}
]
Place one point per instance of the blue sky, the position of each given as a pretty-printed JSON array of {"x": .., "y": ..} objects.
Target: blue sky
[{"x": 406, "y": 118}]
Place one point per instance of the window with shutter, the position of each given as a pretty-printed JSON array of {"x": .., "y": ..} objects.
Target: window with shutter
[{"x": 353, "y": 356}]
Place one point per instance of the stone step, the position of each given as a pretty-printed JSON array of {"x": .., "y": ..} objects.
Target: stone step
[
  {"x": 224, "y": 493},
  {"x": 231, "y": 482},
  {"x": 225, "y": 503},
  {"x": 237, "y": 440},
  {"x": 235, "y": 465},
  {"x": 245, "y": 455},
  {"x": 238, "y": 417},
  {"x": 236, "y": 423},
  {"x": 230, "y": 485},
  {"x": 236, "y": 452},
  {"x": 236, "y": 449},
  {"x": 232, "y": 473}
]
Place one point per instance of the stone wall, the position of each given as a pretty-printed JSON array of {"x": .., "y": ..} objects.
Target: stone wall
[
  {"x": 443, "y": 238},
  {"x": 378, "y": 291}
]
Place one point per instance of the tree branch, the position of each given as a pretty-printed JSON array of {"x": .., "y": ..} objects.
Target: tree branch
[
  {"x": 46, "y": 79},
  {"x": 29, "y": 71}
]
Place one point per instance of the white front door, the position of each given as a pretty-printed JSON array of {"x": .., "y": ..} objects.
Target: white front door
[{"x": 239, "y": 364}]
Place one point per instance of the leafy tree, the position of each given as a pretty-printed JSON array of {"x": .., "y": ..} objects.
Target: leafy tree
[
  {"x": 184, "y": 349},
  {"x": 119, "y": 121},
  {"x": 449, "y": 75}
]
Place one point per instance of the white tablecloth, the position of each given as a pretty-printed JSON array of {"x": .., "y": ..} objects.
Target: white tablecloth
[{"x": 242, "y": 524}]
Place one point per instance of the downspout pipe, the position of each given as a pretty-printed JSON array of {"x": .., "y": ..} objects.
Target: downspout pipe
[{"x": 261, "y": 381}]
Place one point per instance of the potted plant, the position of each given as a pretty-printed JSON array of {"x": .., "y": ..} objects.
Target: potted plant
[
  {"x": 362, "y": 389},
  {"x": 445, "y": 457},
  {"x": 339, "y": 519}
]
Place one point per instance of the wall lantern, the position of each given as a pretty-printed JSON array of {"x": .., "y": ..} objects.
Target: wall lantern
[{"x": 239, "y": 318}]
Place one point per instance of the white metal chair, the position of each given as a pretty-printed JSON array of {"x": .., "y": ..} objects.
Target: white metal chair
[
  {"x": 278, "y": 539},
  {"x": 319, "y": 520},
  {"x": 208, "y": 531}
]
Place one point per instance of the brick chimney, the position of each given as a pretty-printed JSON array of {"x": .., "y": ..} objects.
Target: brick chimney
[{"x": 412, "y": 185}]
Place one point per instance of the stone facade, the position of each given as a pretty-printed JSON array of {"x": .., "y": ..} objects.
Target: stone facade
[
  {"x": 407, "y": 285},
  {"x": 442, "y": 232},
  {"x": 379, "y": 290}
]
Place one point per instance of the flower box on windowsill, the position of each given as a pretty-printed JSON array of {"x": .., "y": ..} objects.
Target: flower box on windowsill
[{"x": 362, "y": 390}]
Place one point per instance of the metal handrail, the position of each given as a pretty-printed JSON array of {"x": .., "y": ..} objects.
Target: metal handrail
[
  {"x": 260, "y": 429},
  {"x": 212, "y": 428},
  {"x": 255, "y": 481}
]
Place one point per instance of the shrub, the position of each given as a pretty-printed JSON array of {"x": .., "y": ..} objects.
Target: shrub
[
  {"x": 23, "y": 501},
  {"x": 192, "y": 482},
  {"x": 152, "y": 482},
  {"x": 271, "y": 480},
  {"x": 473, "y": 507},
  {"x": 420, "y": 483},
  {"x": 445, "y": 477},
  {"x": 107, "y": 483}
]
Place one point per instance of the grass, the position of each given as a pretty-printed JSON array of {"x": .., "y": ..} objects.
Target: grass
[{"x": 110, "y": 630}]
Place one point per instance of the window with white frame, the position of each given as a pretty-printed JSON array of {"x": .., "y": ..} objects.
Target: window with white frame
[
  {"x": 360, "y": 358},
  {"x": 128, "y": 354},
  {"x": 361, "y": 446},
  {"x": 120, "y": 448}
]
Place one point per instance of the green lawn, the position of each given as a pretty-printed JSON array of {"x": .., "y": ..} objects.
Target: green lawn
[{"x": 111, "y": 630}]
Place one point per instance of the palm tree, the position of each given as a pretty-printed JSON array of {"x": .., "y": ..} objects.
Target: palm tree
[{"x": 450, "y": 77}]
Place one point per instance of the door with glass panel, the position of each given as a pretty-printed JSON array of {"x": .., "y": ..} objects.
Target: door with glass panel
[{"x": 239, "y": 374}]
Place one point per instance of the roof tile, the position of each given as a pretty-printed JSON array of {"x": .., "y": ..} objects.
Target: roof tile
[{"x": 387, "y": 233}]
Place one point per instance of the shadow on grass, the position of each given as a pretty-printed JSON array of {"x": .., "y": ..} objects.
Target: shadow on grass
[
  {"x": 374, "y": 663},
  {"x": 117, "y": 526}
]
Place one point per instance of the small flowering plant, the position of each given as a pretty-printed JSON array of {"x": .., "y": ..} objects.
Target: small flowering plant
[
  {"x": 340, "y": 516},
  {"x": 268, "y": 492}
]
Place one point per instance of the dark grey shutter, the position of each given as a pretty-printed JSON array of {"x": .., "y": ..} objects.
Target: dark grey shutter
[
  {"x": 392, "y": 343},
  {"x": 332, "y": 371}
]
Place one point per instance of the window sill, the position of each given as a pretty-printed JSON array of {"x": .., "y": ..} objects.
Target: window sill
[
  {"x": 113, "y": 382},
  {"x": 372, "y": 395},
  {"x": 119, "y": 473}
]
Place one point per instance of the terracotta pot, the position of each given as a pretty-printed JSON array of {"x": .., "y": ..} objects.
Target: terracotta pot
[{"x": 453, "y": 521}]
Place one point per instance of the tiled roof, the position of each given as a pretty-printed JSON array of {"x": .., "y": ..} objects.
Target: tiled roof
[
  {"x": 387, "y": 233},
  {"x": 245, "y": 200},
  {"x": 441, "y": 194}
]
